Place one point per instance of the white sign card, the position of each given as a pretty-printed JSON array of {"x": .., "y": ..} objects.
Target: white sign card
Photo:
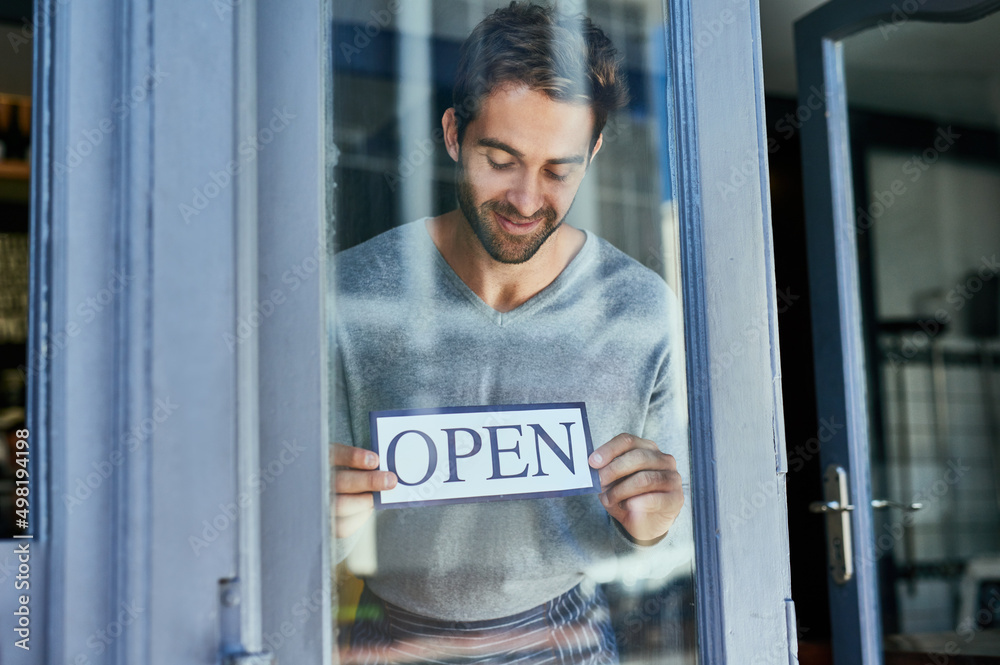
[{"x": 483, "y": 453}]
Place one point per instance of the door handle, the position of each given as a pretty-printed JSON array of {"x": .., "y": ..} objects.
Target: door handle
[
  {"x": 837, "y": 508},
  {"x": 885, "y": 503},
  {"x": 828, "y": 506}
]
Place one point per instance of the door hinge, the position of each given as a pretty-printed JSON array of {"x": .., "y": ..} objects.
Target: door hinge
[{"x": 231, "y": 647}]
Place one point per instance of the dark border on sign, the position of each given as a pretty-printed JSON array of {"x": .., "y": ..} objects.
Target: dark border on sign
[
  {"x": 487, "y": 499},
  {"x": 373, "y": 417}
]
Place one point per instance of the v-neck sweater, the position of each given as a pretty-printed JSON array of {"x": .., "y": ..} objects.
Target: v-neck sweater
[{"x": 409, "y": 333}]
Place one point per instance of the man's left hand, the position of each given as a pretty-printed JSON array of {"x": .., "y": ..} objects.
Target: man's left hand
[{"x": 640, "y": 486}]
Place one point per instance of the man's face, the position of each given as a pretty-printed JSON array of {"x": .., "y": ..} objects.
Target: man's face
[{"x": 519, "y": 167}]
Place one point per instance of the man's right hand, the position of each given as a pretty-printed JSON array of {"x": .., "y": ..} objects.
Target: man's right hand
[{"x": 356, "y": 476}]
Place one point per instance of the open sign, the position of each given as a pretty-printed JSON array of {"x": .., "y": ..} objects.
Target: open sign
[{"x": 483, "y": 453}]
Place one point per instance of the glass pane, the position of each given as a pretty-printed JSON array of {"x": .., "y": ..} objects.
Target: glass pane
[
  {"x": 514, "y": 279},
  {"x": 926, "y": 132}
]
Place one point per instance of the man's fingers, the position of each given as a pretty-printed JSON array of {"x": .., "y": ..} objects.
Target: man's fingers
[
  {"x": 633, "y": 461},
  {"x": 617, "y": 446},
  {"x": 347, "y": 505},
  {"x": 356, "y": 476},
  {"x": 357, "y": 482},
  {"x": 642, "y": 489},
  {"x": 654, "y": 502},
  {"x": 642, "y": 482},
  {"x": 354, "y": 458}
]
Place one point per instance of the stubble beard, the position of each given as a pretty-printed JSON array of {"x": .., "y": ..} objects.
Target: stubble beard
[{"x": 502, "y": 246}]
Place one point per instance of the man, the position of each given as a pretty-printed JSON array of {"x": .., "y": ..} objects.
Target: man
[{"x": 500, "y": 302}]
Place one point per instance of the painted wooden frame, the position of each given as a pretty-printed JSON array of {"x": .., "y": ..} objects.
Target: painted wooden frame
[
  {"x": 734, "y": 384},
  {"x": 143, "y": 261},
  {"x": 834, "y": 286}
]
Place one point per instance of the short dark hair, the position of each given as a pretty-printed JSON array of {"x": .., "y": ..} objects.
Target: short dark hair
[{"x": 567, "y": 57}]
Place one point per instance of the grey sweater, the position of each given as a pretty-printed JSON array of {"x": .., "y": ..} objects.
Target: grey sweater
[{"x": 410, "y": 333}]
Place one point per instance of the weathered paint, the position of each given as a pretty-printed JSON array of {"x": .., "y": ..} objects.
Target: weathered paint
[{"x": 734, "y": 377}]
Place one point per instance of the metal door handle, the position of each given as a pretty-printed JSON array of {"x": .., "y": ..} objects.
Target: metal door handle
[
  {"x": 828, "y": 506},
  {"x": 885, "y": 503},
  {"x": 837, "y": 508}
]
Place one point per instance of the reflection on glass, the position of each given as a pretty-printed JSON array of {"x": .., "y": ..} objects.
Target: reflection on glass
[
  {"x": 925, "y": 123},
  {"x": 498, "y": 247}
]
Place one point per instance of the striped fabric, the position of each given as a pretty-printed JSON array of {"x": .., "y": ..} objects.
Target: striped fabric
[{"x": 572, "y": 629}]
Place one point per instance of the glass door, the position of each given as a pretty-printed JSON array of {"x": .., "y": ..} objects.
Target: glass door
[
  {"x": 925, "y": 140},
  {"x": 902, "y": 173},
  {"x": 395, "y": 70}
]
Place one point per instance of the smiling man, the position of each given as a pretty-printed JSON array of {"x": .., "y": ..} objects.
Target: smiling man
[{"x": 500, "y": 302}]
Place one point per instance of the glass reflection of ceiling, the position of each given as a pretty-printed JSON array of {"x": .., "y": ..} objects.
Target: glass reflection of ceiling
[{"x": 943, "y": 72}]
